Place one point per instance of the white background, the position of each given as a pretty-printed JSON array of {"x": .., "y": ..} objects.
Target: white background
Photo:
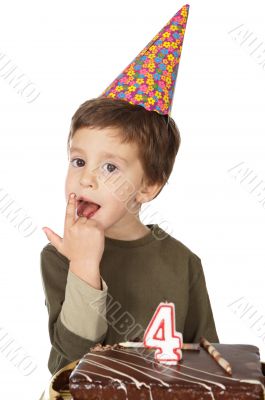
[{"x": 72, "y": 51}]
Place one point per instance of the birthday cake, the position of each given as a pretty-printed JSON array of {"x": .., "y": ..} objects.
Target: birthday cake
[{"x": 116, "y": 372}]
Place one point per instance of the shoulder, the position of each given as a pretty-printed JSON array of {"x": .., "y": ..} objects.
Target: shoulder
[
  {"x": 179, "y": 256},
  {"x": 177, "y": 248}
]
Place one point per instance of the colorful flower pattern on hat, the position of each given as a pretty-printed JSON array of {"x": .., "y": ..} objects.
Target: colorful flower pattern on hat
[{"x": 149, "y": 80}]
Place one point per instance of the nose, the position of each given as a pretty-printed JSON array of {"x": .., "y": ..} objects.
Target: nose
[{"x": 89, "y": 178}]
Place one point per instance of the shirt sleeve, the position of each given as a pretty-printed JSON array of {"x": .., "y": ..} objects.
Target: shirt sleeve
[
  {"x": 84, "y": 308},
  {"x": 199, "y": 320},
  {"x": 54, "y": 273}
]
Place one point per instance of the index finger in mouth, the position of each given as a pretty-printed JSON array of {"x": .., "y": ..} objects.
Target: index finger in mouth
[{"x": 70, "y": 210}]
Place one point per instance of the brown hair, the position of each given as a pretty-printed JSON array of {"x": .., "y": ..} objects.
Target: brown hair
[{"x": 157, "y": 136}]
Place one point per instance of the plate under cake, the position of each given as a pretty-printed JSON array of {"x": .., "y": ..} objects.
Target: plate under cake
[{"x": 115, "y": 372}]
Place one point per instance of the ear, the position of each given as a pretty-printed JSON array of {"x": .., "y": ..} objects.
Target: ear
[{"x": 147, "y": 192}]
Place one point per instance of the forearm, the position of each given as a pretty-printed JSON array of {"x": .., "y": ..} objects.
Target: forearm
[
  {"x": 84, "y": 308},
  {"x": 55, "y": 274},
  {"x": 68, "y": 344},
  {"x": 78, "y": 326},
  {"x": 88, "y": 272}
]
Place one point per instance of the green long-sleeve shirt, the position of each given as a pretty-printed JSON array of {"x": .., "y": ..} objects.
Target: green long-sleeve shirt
[{"x": 136, "y": 276}]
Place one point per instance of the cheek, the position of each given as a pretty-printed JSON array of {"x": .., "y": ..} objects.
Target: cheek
[
  {"x": 117, "y": 194},
  {"x": 122, "y": 188},
  {"x": 120, "y": 200}
]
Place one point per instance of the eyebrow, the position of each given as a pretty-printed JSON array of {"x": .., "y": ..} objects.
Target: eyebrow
[{"x": 103, "y": 153}]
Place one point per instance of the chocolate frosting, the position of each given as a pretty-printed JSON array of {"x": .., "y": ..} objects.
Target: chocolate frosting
[{"x": 121, "y": 373}]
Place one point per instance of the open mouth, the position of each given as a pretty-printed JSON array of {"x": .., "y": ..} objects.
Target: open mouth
[{"x": 86, "y": 208}]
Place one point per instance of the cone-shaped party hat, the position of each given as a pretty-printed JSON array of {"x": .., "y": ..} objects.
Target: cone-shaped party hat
[{"x": 149, "y": 80}]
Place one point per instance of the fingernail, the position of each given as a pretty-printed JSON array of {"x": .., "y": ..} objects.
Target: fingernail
[{"x": 72, "y": 195}]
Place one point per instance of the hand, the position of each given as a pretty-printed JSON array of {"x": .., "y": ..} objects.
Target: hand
[{"x": 83, "y": 242}]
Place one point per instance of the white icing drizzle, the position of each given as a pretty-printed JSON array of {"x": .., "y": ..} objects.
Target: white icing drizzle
[
  {"x": 83, "y": 372},
  {"x": 125, "y": 363},
  {"x": 136, "y": 382},
  {"x": 122, "y": 385},
  {"x": 211, "y": 373},
  {"x": 136, "y": 369},
  {"x": 183, "y": 379},
  {"x": 251, "y": 381},
  {"x": 182, "y": 373}
]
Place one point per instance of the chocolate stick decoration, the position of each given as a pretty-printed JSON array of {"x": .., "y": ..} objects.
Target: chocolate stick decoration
[{"x": 216, "y": 355}]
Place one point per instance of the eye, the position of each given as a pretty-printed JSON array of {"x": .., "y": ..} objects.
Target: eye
[
  {"x": 77, "y": 159},
  {"x": 112, "y": 167},
  {"x": 80, "y": 163}
]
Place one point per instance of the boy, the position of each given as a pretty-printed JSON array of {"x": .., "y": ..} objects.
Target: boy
[{"x": 104, "y": 279}]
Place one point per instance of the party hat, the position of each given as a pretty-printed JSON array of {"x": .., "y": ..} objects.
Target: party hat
[{"x": 149, "y": 80}]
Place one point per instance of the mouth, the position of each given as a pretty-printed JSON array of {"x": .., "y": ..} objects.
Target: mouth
[{"x": 86, "y": 207}]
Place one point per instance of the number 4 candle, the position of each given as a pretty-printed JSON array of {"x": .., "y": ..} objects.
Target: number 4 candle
[{"x": 161, "y": 334}]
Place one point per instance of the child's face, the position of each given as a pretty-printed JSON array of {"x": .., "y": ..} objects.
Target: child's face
[{"x": 114, "y": 182}]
